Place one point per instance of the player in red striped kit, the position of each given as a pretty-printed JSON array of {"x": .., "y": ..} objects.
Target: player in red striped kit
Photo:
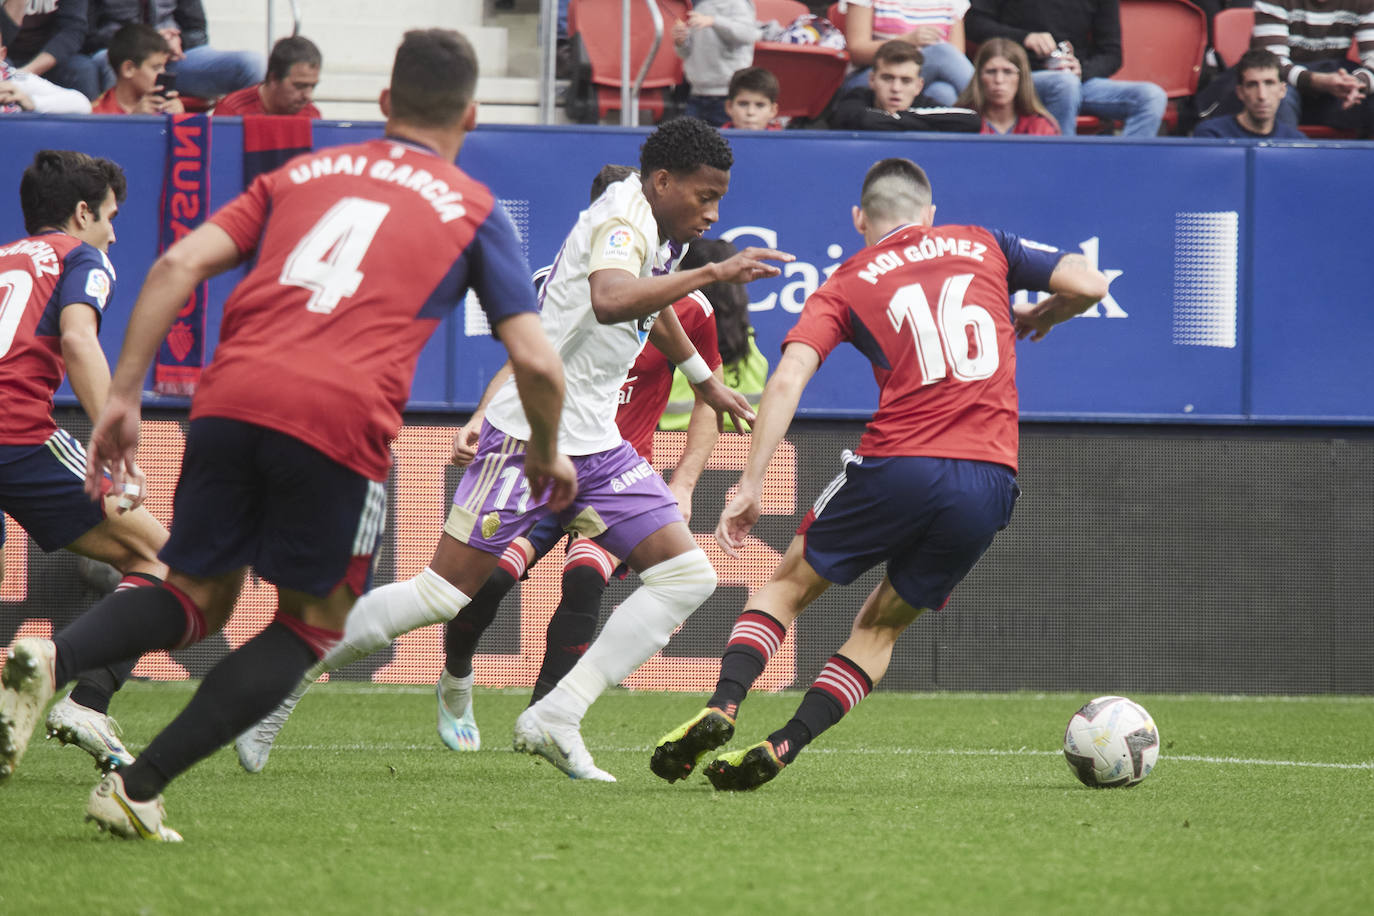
[
  {"x": 934, "y": 478},
  {"x": 287, "y": 451}
]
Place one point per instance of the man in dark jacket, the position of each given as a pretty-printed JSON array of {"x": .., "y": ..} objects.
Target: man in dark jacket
[
  {"x": 1074, "y": 47},
  {"x": 44, "y": 38},
  {"x": 200, "y": 69},
  {"x": 893, "y": 100}
]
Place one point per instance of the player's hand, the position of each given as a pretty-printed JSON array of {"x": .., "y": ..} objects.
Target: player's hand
[
  {"x": 683, "y": 496},
  {"x": 1041, "y": 44},
  {"x": 725, "y": 400},
  {"x": 747, "y": 265},
  {"x": 736, "y": 521},
  {"x": 465, "y": 445},
  {"x": 113, "y": 450},
  {"x": 1032, "y": 320},
  {"x": 558, "y": 478}
]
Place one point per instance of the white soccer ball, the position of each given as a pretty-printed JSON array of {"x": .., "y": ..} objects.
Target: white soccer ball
[{"x": 1111, "y": 742}]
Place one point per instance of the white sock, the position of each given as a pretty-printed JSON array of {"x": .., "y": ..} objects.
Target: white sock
[
  {"x": 456, "y": 692},
  {"x": 387, "y": 612},
  {"x": 637, "y": 629}
]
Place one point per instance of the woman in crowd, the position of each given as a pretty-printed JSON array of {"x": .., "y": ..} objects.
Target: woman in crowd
[{"x": 1003, "y": 93}]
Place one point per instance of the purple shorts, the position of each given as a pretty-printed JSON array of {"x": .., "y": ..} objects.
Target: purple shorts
[{"x": 620, "y": 501}]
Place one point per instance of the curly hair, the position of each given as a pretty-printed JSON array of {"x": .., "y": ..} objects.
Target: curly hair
[
  {"x": 58, "y": 180},
  {"x": 684, "y": 145},
  {"x": 729, "y": 300}
]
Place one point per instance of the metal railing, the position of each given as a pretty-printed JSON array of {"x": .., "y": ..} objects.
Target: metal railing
[{"x": 629, "y": 88}]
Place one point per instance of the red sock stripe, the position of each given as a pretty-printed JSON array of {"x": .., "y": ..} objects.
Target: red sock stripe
[
  {"x": 513, "y": 561},
  {"x": 845, "y": 681},
  {"x": 589, "y": 553},
  {"x": 195, "y": 618},
  {"x": 758, "y": 631},
  {"x": 318, "y": 639}
]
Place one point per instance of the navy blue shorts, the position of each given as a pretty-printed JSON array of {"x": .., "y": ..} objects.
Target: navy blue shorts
[
  {"x": 252, "y": 496},
  {"x": 929, "y": 519},
  {"x": 43, "y": 488}
]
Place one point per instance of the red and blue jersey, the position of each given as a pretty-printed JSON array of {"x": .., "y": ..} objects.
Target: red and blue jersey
[
  {"x": 644, "y": 394},
  {"x": 39, "y": 277},
  {"x": 930, "y": 308},
  {"x": 360, "y": 251}
]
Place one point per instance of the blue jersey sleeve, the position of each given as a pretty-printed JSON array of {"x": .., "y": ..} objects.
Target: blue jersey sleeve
[
  {"x": 498, "y": 272},
  {"x": 86, "y": 277},
  {"x": 1029, "y": 264}
]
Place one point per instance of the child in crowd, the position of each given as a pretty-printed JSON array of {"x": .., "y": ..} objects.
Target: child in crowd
[
  {"x": 716, "y": 40},
  {"x": 752, "y": 102},
  {"x": 138, "y": 56}
]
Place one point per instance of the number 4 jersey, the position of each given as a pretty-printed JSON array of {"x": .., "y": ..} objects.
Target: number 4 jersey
[
  {"x": 361, "y": 251},
  {"x": 930, "y": 308},
  {"x": 39, "y": 277}
]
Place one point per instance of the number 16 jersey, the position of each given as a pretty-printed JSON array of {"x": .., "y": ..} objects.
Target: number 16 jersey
[
  {"x": 361, "y": 251},
  {"x": 930, "y": 308}
]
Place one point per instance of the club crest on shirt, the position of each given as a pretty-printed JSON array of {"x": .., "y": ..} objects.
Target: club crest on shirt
[
  {"x": 98, "y": 287},
  {"x": 491, "y": 522}
]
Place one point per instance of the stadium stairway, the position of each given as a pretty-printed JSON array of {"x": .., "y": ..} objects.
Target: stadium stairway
[{"x": 357, "y": 39}]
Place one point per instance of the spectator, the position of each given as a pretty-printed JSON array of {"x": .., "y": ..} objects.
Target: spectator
[
  {"x": 716, "y": 40},
  {"x": 893, "y": 100},
  {"x": 934, "y": 26},
  {"x": 139, "y": 55},
  {"x": 200, "y": 69},
  {"x": 752, "y": 102},
  {"x": 21, "y": 90},
  {"x": 45, "y": 39},
  {"x": 293, "y": 72},
  {"x": 1004, "y": 94},
  {"x": 1075, "y": 47},
  {"x": 1261, "y": 92},
  {"x": 1311, "y": 39}
]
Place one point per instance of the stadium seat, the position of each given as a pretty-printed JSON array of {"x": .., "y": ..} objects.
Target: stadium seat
[
  {"x": 836, "y": 18},
  {"x": 1163, "y": 42},
  {"x": 784, "y": 12},
  {"x": 808, "y": 75},
  {"x": 594, "y": 26},
  {"x": 1231, "y": 30}
]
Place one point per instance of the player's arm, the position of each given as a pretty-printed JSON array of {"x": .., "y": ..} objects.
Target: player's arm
[
  {"x": 1076, "y": 287},
  {"x": 672, "y": 341},
  {"x": 465, "y": 440},
  {"x": 702, "y": 433},
  {"x": 87, "y": 368},
  {"x": 778, "y": 406},
  {"x": 621, "y": 295},
  {"x": 202, "y": 254},
  {"x": 539, "y": 379}
]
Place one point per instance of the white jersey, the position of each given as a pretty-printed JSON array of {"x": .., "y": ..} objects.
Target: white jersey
[{"x": 618, "y": 231}]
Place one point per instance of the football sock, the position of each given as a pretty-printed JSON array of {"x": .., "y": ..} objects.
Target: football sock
[
  {"x": 466, "y": 628},
  {"x": 247, "y": 684},
  {"x": 838, "y": 689},
  {"x": 125, "y": 624},
  {"x": 572, "y": 626},
  {"x": 636, "y": 630},
  {"x": 385, "y": 613},
  {"x": 94, "y": 689},
  {"x": 754, "y": 639}
]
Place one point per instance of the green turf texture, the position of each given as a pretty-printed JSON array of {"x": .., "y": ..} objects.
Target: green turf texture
[{"x": 915, "y": 803}]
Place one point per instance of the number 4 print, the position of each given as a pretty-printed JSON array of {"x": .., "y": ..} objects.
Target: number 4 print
[
  {"x": 950, "y": 335},
  {"x": 326, "y": 260}
]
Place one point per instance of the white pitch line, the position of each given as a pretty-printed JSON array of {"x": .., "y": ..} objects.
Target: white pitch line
[{"x": 873, "y": 752}]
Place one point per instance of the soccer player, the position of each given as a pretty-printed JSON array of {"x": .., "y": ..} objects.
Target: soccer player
[
  {"x": 610, "y": 291},
  {"x": 287, "y": 450},
  {"x": 935, "y": 474},
  {"x": 54, "y": 286}
]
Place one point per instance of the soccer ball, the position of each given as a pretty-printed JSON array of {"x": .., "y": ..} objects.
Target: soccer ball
[{"x": 1111, "y": 742}]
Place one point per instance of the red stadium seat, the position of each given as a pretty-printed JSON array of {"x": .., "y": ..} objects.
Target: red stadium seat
[
  {"x": 808, "y": 75},
  {"x": 1163, "y": 42},
  {"x": 784, "y": 12},
  {"x": 1231, "y": 33},
  {"x": 835, "y": 16},
  {"x": 596, "y": 83}
]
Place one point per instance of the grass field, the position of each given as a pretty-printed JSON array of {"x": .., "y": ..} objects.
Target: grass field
[{"x": 916, "y": 803}]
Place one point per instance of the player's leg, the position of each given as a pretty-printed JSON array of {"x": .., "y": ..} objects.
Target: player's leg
[
  {"x": 586, "y": 573},
  {"x": 757, "y": 634}
]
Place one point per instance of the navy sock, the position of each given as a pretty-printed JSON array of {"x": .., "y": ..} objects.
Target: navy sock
[
  {"x": 246, "y": 685},
  {"x": 572, "y": 626},
  {"x": 466, "y": 628},
  {"x": 95, "y": 688},
  {"x": 122, "y": 625},
  {"x": 838, "y": 689},
  {"x": 754, "y": 639}
]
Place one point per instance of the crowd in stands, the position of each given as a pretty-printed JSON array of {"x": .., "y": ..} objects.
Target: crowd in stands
[{"x": 1027, "y": 67}]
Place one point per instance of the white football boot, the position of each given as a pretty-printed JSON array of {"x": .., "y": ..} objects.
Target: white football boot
[
  {"x": 558, "y": 743},
  {"x": 112, "y": 809},
  {"x": 255, "y": 745},
  {"x": 27, "y": 687},
  {"x": 95, "y": 733},
  {"x": 458, "y": 732}
]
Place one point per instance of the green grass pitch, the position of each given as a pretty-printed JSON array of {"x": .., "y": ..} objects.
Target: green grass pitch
[{"x": 916, "y": 803}]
